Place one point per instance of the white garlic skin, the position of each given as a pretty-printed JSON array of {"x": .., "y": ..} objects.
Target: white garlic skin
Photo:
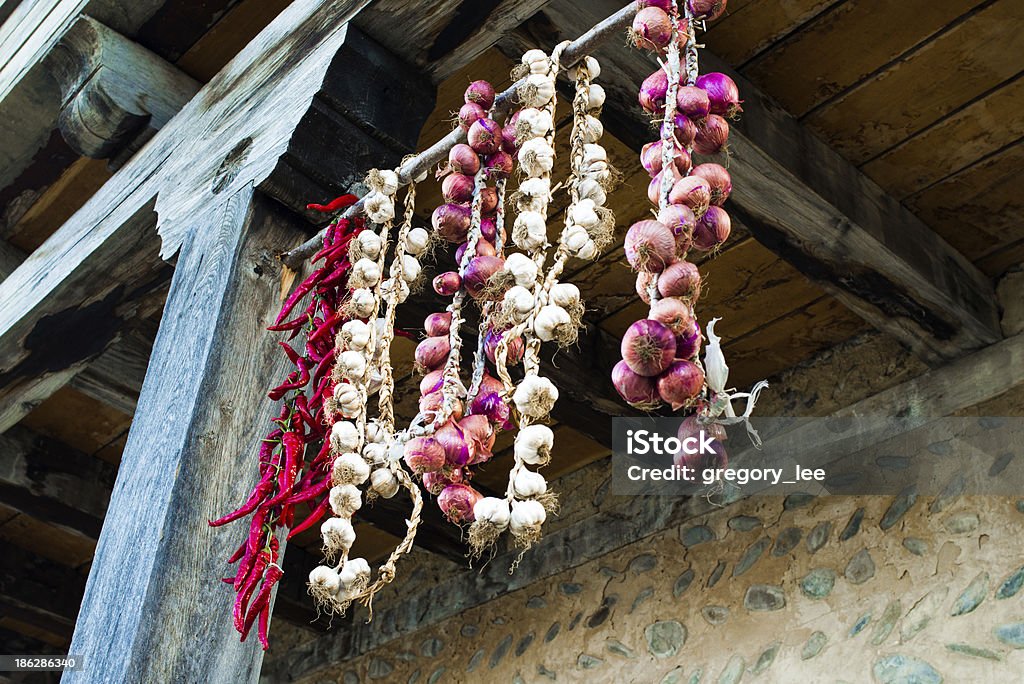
[
  {"x": 362, "y": 302},
  {"x": 523, "y": 268},
  {"x": 549, "y": 321},
  {"x": 592, "y": 190},
  {"x": 352, "y": 364},
  {"x": 526, "y": 515},
  {"x": 519, "y": 302},
  {"x": 345, "y": 500},
  {"x": 564, "y": 294},
  {"x": 595, "y": 97},
  {"x": 492, "y": 510},
  {"x": 349, "y": 468},
  {"x": 416, "y": 241},
  {"x": 358, "y": 334},
  {"x": 535, "y": 396},
  {"x": 537, "y": 120},
  {"x": 325, "y": 578},
  {"x": 388, "y": 182},
  {"x": 536, "y": 157},
  {"x": 384, "y": 482},
  {"x": 534, "y": 443},
  {"x": 344, "y": 435},
  {"x": 528, "y": 484},
  {"x": 338, "y": 532},
  {"x": 379, "y": 208}
]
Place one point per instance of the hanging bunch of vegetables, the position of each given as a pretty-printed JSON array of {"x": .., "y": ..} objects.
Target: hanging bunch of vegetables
[{"x": 660, "y": 354}]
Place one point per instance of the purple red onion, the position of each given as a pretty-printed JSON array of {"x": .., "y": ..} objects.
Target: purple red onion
[
  {"x": 451, "y": 221},
  {"x": 484, "y": 136},
  {"x": 438, "y": 323},
  {"x": 636, "y": 390},
  {"x": 482, "y": 93},
  {"x": 424, "y": 455},
  {"x": 447, "y": 284},
  {"x": 712, "y": 134},
  {"x": 650, "y": 246},
  {"x": 456, "y": 502},
  {"x": 651, "y": 158},
  {"x": 712, "y": 229},
  {"x": 479, "y": 272},
  {"x": 648, "y": 347},
  {"x": 693, "y": 192},
  {"x": 469, "y": 114},
  {"x": 707, "y": 9},
  {"x": 693, "y": 102},
  {"x": 651, "y": 29},
  {"x": 681, "y": 382},
  {"x": 432, "y": 352},
  {"x": 718, "y": 179},
  {"x": 722, "y": 92},
  {"x": 457, "y": 188},
  {"x": 681, "y": 279},
  {"x": 674, "y": 314}
]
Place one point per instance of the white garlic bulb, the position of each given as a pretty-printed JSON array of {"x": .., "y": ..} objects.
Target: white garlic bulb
[
  {"x": 564, "y": 294},
  {"x": 375, "y": 453},
  {"x": 492, "y": 510},
  {"x": 539, "y": 90},
  {"x": 523, "y": 268},
  {"x": 345, "y": 500},
  {"x": 539, "y": 57},
  {"x": 591, "y": 129},
  {"x": 388, "y": 181},
  {"x": 380, "y": 208},
  {"x": 384, "y": 482},
  {"x": 355, "y": 570},
  {"x": 356, "y": 334},
  {"x": 365, "y": 273},
  {"x": 536, "y": 157},
  {"x": 375, "y": 432},
  {"x": 345, "y": 393},
  {"x": 416, "y": 241},
  {"x": 584, "y": 213},
  {"x": 590, "y": 63},
  {"x": 370, "y": 243},
  {"x": 338, "y": 533},
  {"x": 526, "y": 515},
  {"x": 362, "y": 302},
  {"x": 528, "y": 484},
  {"x": 592, "y": 190},
  {"x": 395, "y": 284},
  {"x": 324, "y": 579},
  {"x": 534, "y": 443},
  {"x": 518, "y": 302},
  {"x": 344, "y": 435},
  {"x": 593, "y": 152},
  {"x": 588, "y": 251},
  {"x": 352, "y": 364},
  {"x": 536, "y": 122},
  {"x": 535, "y": 396},
  {"x": 530, "y": 232},
  {"x": 550, "y": 321},
  {"x": 595, "y": 97},
  {"x": 574, "y": 238},
  {"x": 349, "y": 468},
  {"x": 408, "y": 268}
]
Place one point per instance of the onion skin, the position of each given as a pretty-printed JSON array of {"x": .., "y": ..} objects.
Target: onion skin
[
  {"x": 439, "y": 323},
  {"x": 432, "y": 352},
  {"x": 435, "y": 482},
  {"x": 636, "y": 390},
  {"x": 660, "y": 4},
  {"x": 688, "y": 342},
  {"x": 431, "y": 382},
  {"x": 650, "y": 246},
  {"x": 643, "y": 281},
  {"x": 457, "y": 188},
  {"x": 681, "y": 382},
  {"x": 712, "y": 229},
  {"x": 708, "y": 9},
  {"x": 462, "y": 159},
  {"x": 684, "y": 129},
  {"x": 478, "y": 272},
  {"x": 681, "y": 279},
  {"x": 652, "y": 29},
  {"x": 674, "y": 314},
  {"x": 718, "y": 179},
  {"x": 483, "y": 248},
  {"x": 516, "y": 348},
  {"x": 457, "y": 449},
  {"x": 451, "y": 221},
  {"x": 701, "y": 462},
  {"x": 654, "y": 187},
  {"x": 693, "y": 192},
  {"x": 648, "y": 347},
  {"x": 431, "y": 403},
  {"x": 693, "y": 102},
  {"x": 712, "y": 134},
  {"x": 692, "y": 427},
  {"x": 653, "y": 91},
  {"x": 651, "y": 159},
  {"x": 484, "y": 136},
  {"x": 480, "y": 92},
  {"x": 456, "y": 502},
  {"x": 469, "y": 114},
  {"x": 488, "y": 200},
  {"x": 680, "y": 220},
  {"x": 447, "y": 284},
  {"x": 722, "y": 93},
  {"x": 423, "y": 455},
  {"x": 498, "y": 165}
]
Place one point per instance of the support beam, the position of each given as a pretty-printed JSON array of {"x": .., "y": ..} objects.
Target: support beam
[
  {"x": 269, "y": 119},
  {"x": 189, "y": 455},
  {"x": 115, "y": 377},
  {"x": 116, "y": 94},
  {"x": 806, "y": 203},
  {"x": 612, "y": 522}
]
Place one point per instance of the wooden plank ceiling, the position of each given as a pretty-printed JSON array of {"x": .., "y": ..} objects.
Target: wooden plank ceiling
[{"x": 925, "y": 97}]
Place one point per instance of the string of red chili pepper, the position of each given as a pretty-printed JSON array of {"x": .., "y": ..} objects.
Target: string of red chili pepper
[{"x": 287, "y": 479}]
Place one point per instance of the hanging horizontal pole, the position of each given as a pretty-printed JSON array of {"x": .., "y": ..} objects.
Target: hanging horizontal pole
[{"x": 438, "y": 152}]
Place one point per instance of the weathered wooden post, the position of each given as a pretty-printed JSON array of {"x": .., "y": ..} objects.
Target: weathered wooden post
[{"x": 154, "y": 609}]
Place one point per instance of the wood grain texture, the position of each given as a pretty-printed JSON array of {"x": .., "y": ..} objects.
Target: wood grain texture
[
  {"x": 961, "y": 63},
  {"x": 981, "y": 208},
  {"x": 811, "y": 207},
  {"x": 952, "y": 144},
  {"x": 604, "y": 523},
  {"x": 114, "y": 91},
  {"x": 115, "y": 377},
  {"x": 843, "y": 45},
  {"x": 189, "y": 456},
  {"x": 751, "y": 27}
]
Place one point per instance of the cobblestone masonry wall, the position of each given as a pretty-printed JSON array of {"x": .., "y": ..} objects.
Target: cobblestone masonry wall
[{"x": 799, "y": 589}]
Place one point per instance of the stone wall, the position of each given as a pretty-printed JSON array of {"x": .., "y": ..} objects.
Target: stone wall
[{"x": 798, "y": 589}]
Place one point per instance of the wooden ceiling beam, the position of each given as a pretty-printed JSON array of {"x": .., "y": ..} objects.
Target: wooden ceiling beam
[
  {"x": 39, "y": 592},
  {"x": 618, "y": 521},
  {"x": 806, "y": 203}
]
